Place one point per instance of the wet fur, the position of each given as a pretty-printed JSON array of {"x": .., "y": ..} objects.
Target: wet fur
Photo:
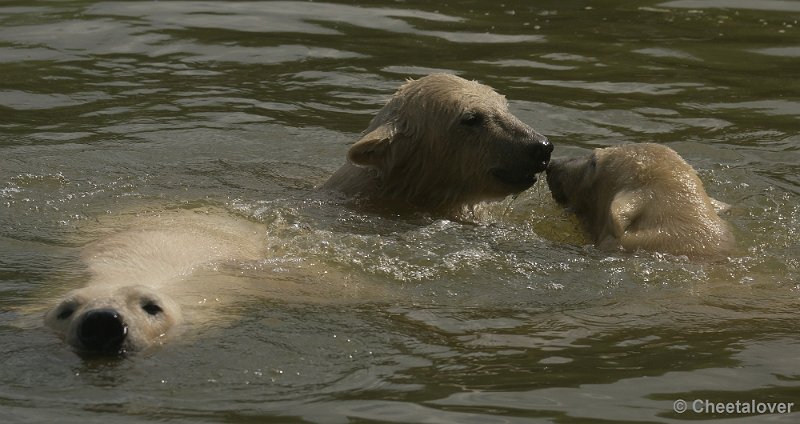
[
  {"x": 145, "y": 267},
  {"x": 436, "y": 144},
  {"x": 642, "y": 196}
]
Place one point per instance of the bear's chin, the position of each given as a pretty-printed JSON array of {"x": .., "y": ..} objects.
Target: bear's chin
[
  {"x": 118, "y": 353},
  {"x": 514, "y": 182}
]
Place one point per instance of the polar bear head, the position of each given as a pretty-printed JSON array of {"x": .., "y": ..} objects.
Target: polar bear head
[
  {"x": 641, "y": 196},
  {"x": 442, "y": 141},
  {"x": 113, "y": 320}
]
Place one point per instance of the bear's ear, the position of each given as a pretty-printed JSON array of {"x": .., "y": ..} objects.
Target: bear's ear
[
  {"x": 626, "y": 207},
  {"x": 372, "y": 147}
]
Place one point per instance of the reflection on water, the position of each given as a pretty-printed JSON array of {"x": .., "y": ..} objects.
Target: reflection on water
[{"x": 112, "y": 107}]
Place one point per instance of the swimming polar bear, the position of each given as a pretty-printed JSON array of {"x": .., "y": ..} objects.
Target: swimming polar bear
[
  {"x": 641, "y": 196},
  {"x": 154, "y": 274},
  {"x": 139, "y": 274},
  {"x": 441, "y": 143}
]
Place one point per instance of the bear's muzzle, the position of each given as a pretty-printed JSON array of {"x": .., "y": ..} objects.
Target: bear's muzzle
[
  {"x": 102, "y": 331},
  {"x": 519, "y": 174}
]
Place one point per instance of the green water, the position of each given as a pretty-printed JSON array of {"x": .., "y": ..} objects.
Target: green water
[{"x": 119, "y": 106}]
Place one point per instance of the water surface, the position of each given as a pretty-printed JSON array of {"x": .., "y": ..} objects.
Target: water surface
[{"x": 110, "y": 107}]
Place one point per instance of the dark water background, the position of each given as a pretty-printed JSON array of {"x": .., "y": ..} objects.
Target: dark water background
[{"x": 247, "y": 106}]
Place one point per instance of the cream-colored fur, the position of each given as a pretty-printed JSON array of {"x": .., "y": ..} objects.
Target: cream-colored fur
[
  {"x": 642, "y": 196},
  {"x": 442, "y": 142},
  {"x": 139, "y": 273}
]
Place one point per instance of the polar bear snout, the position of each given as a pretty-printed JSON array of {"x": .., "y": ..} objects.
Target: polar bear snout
[
  {"x": 111, "y": 320},
  {"x": 539, "y": 151},
  {"x": 102, "y": 331},
  {"x": 555, "y": 172},
  {"x": 554, "y": 182},
  {"x": 521, "y": 165},
  {"x": 571, "y": 179}
]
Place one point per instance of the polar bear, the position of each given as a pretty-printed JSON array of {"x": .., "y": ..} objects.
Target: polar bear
[
  {"x": 440, "y": 143},
  {"x": 139, "y": 278},
  {"x": 641, "y": 196}
]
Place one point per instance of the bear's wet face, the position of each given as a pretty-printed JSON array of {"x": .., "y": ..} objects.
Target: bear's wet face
[
  {"x": 514, "y": 152},
  {"x": 113, "y": 321},
  {"x": 571, "y": 180},
  {"x": 641, "y": 196},
  {"x": 441, "y": 143}
]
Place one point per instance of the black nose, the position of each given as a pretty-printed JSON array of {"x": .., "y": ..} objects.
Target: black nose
[
  {"x": 102, "y": 330},
  {"x": 540, "y": 153}
]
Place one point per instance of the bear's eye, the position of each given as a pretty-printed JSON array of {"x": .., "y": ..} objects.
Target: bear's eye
[
  {"x": 151, "y": 308},
  {"x": 472, "y": 119},
  {"x": 66, "y": 312}
]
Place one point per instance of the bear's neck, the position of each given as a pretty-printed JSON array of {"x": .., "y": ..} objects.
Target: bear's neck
[{"x": 365, "y": 183}]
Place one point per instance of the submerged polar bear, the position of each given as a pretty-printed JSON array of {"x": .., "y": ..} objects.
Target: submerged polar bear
[
  {"x": 153, "y": 275},
  {"x": 642, "y": 196},
  {"x": 131, "y": 299},
  {"x": 442, "y": 142}
]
